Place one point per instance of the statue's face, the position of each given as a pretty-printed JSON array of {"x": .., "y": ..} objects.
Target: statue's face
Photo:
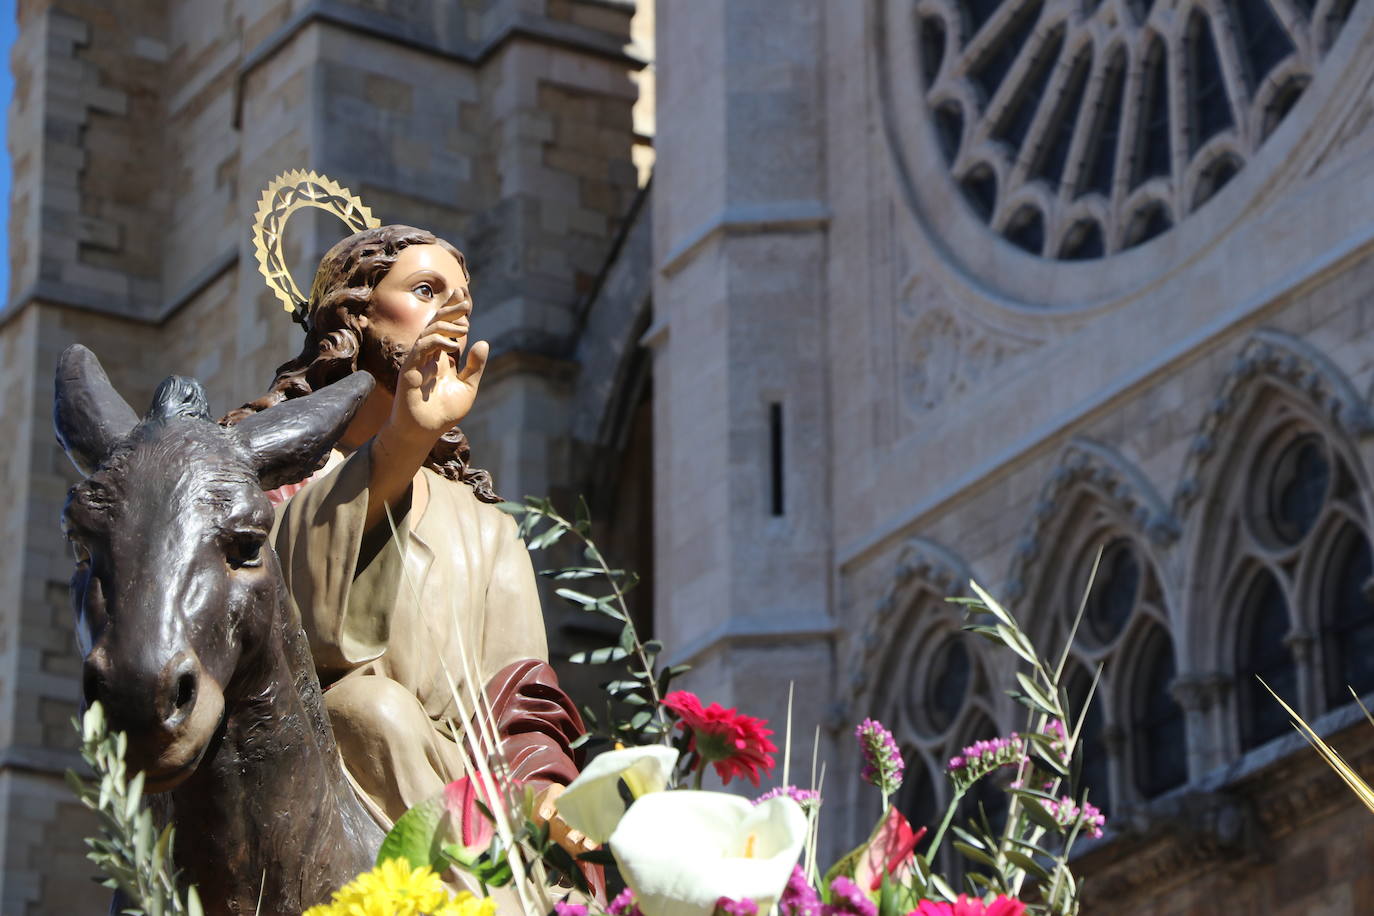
[{"x": 424, "y": 279}]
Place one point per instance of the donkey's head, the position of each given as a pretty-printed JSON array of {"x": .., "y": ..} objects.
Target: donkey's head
[{"x": 176, "y": 587}]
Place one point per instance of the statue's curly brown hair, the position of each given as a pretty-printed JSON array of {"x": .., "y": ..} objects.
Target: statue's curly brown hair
[{"x": 341, "y": 293}]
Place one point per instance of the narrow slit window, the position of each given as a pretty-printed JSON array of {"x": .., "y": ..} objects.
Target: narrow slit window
[{"x": 775, "y": 455}]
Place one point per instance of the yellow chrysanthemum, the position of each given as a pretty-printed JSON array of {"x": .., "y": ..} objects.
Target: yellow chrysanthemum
[
  {"x": 395, "y": 889},
  {"x": 465, "y": 904}
]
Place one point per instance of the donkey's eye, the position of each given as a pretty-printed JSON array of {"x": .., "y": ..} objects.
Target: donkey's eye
[
  {"x": 245, "y": 549},
  {"x": 80, "y": 554}
]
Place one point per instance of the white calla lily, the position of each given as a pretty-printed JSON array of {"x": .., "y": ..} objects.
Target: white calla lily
[
  {"x": 592, "y": 802},
  {"x": 682, "y": 851}
]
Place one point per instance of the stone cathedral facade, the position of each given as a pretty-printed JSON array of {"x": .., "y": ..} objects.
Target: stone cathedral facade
[{"x": 920, "y": 291}]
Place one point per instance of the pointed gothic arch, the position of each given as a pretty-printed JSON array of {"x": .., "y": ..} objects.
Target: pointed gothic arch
[
  {"x": 1272, "y": 481},
  {"x": 1095, "y": 471},
  {"x": 1288, "y": 365}
]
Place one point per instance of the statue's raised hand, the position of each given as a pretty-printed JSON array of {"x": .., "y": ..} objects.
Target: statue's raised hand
[{"x": 434, "y": 391}]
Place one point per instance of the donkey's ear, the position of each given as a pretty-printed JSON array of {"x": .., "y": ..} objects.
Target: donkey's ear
[
  {"x": 289, "y": 441},
  {"x": 88, "y": 414}
]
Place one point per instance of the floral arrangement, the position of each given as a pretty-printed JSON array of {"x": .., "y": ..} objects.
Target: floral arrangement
[{"x": 683, "y": 851}]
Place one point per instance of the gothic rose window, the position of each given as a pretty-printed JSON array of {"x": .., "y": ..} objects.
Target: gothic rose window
[{"x": 1078, "y": 129}]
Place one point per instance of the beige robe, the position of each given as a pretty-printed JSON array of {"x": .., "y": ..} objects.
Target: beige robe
[{"x": 389, "y": 622}]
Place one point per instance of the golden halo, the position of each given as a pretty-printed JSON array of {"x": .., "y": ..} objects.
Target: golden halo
[{"x": 289, "y": 192}]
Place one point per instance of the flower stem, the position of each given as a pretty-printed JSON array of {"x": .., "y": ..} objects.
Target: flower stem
[
  {"x": 666, "y": 729},
  {"x": 934, "y": 846}
]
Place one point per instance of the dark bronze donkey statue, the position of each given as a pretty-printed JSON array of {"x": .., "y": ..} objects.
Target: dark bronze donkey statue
[{"x": 190, "y": 640}]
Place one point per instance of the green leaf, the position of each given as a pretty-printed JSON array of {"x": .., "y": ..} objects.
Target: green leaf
[
  {"x": 412, "y": 838},
  {"x": 547, "y": 537},
  {"x": 576, "y": 597},
  {"x": 618, "y": 687},
  {"x": 570, "y": 572},
  {"x": 494, "y": 874},
  {"x": 1026, "y": 864},
  {"x": 580, "y": 740},
  {"x": 665, "y": 677},
  {"x": 510, "y": 508},
  {"x": 1050, "y": 761},
  {"x": 977, "y": 855},
  {"x": 1039, "y": 700},
  {"x": 943, "y": 887},
  {"x": 1016, "y": 641},
  {"x": 598, "y": 656},
  {"x": 991, "y": 605},
  {"x": 1036, "y": 812},
  {"x": 135, "y": 794},
  {"x": 607, "y": 606}
]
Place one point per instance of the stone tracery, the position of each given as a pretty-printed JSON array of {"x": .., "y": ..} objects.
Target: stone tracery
[{"x": 1076, "y": 130}]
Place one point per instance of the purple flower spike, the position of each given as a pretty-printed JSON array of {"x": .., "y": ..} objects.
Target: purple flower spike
[
  {"x": 807, "y": 798},
  {"x": 882, "y": 760},
  {"x": 982, "y": 757}
]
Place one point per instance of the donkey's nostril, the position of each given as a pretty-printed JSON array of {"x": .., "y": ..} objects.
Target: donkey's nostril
[
  {"x": 186, "y": 690},
  {"x": 180, "y": 685}
]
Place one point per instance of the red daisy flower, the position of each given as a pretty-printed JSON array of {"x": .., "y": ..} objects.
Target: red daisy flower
[
  {"x": 737, "y": 745},
  {"x": 971, "y": 906}
]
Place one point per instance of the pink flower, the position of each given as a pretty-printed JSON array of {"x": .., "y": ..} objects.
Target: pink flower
[
  {"x": 729, "y": 907},
  {"x": 964, "y": 906},
  {"x": 807, "y": 798},
  {"x": 982, "y": 757},
  {"x": 737, "y": 745},
  {"x": 848, "y": 899},
  {"x": 563, "y": 908},
  {"x": 882, "y": 760},
  {"x": 624, "y": 904},
  {"x": 891, "y": 851},
  {"x": 799, "y": 898},
  {"x": 476, "y": 830},
  {"x": 1069, "y": 814}
]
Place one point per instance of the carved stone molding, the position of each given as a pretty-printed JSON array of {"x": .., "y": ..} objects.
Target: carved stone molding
[
  {"x": 1298, "y": 367},
  {"x": 1166, "y": 842},
  {"x": 1199, "y": 692},
  {"x": 1112, "y": 478},
  {"x": 942, "y": 351},
  {"x": 1233, "y": 823},
  {"x": 920, "y": 562},
  {"x": 944, "y": 355}
]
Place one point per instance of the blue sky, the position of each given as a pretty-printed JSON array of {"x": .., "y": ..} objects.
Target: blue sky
[{"x": 8, "y": 28}]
